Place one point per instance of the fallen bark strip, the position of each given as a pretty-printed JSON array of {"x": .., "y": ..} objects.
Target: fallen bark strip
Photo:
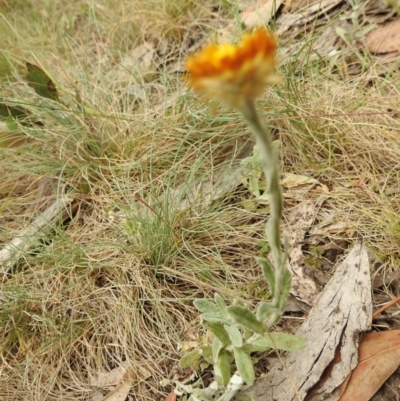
[
  {"x": 341, "y": 312},
  {"x": 59, "y": 211}
]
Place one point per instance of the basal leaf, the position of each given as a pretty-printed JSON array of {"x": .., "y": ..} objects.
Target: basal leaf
[
  {"x": 268, "y": 273},
  {"x": 41, "y": 82},
  {"x": 287, "y": 282},
  {"x": 224, "y": 367},
  {"x": 242, "y": 396},
  {"x": 281, "y": 341},
  {"x": 246, "y": 318},
  {"x": 235, "y": 335},
  {"x": 264, "y": 311},
  {"x": 216, "y": 348},
  {"x": 219, "y": 331},
  {"x": 220, "y": 302},
  {"x": 205, "y": 306},
  {"x": 244, "y": 365},
  {"x": 214, "y": 317},
  {"x": 206, "y": 353},
  {"x": 189, "y": 359},
  {"x": 287, "y": 342}
]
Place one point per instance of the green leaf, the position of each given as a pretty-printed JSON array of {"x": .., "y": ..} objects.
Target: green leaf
[
  {"x": 244, "y": 365},
  {"x": 12, "y": 116},
  {"x": 246, "y": 318},
  {"x": 14, "y": 111},
  {"x": 216, "y": 348},
  {"x": 206, "y": 306},
  {"x": 214, "y": 317},
  {"x": 268, "y": 273},
  {"x": 264, "y": 311},
  {"x": 189, "y": 359},
  {"x": 206, "y": 353},
  {"x": 12, "y": 124},
  {"x": 281, "y": 341},
  {"x": 10, "y": 134},
  {"x": 224, "y": 367},
  {"x": 287, "y": 282},
  {"x": 220, "y": 302},
  {"x": 40, "y": 82},
  {"x": 261, "y": 344},
  {"x": 287, "y": 342},
  {"x": 235, "y": 335},
  {"x": 241, "y": 396},
  {"x": 219, "y": 331}
]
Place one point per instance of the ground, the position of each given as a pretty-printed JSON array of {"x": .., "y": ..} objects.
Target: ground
[{"x": 158, "y": 208}]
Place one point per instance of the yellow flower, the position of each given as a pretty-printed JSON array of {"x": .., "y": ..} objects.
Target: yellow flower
[{"x": 235, "y": 73}]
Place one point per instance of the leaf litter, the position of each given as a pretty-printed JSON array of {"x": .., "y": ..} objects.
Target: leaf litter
[{"x": 379, "y": 357}]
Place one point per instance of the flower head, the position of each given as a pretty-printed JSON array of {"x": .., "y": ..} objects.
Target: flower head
[{"x": 235, "y": 73}]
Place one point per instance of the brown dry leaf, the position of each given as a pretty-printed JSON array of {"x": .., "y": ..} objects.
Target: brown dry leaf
[
  {"x": 120, "y": 393},
  {"x": 385, "y": 39},
  {"x": 305, "y": 15},
  {"x": 291, "y": 180},
  {"x": 170, "y": 397},
  {"x": 299, "y": 222},
  {"x": 144, "y": 372},
  {"x": 296, "y": 186},
  {"x": 138, "y": 65},
  {"x": 111, "y": 378},
  {"x": 296, "y": 5},
  {"x": 97, "y": 395},
  {"x": 119, "y": 377},
  {"x": 122, "y": 389},
  {"x": 331, "y": 227},
  {"x": 379, "y": 357},
  {"x": 378, "y": 11},
  {"x": 260, "y": 13},
  {"x": 341, "y": 312}
]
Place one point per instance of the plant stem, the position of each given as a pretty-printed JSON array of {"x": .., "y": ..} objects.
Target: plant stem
[{"x": 274, "y": 191}]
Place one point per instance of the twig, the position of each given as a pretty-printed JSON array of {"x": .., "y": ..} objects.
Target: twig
[
  {"x": 386, "y": 306},
  {"x": 59, "y": 211}
]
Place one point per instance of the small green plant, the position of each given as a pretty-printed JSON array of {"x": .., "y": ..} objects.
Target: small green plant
[
  {"x": 237, "y": 332},
  {"x": 235, "y": 74},
  {"x": 314, "y": 260}
]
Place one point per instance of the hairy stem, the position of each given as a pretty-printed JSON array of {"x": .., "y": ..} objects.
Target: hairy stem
[{"x": 274, "y": 191}]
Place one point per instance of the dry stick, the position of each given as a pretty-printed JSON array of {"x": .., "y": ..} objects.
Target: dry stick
[
  {"x": 62, "y": 209},
  {"x": 386, "y": 306}
]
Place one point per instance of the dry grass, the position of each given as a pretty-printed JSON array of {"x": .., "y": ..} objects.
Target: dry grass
[{"x": 117, "y": 283}]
